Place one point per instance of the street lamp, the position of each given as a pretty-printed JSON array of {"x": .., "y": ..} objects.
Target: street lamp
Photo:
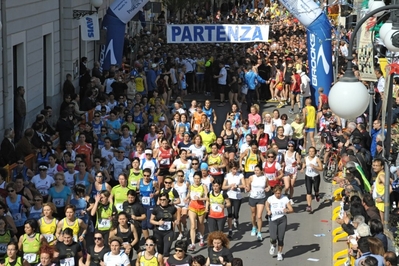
[
  {"x": 348, "y": 98},
  {"x": 77, "y": 14}
]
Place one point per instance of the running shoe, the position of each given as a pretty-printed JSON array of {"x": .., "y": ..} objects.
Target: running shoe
[
  {"x": 221, "y": 104},
  {"x": 191, "y": 247},
  {"x": 259, "y": 236},
  {"x": 279, "y": 256},
  {"x": 291, "y": 111},
  {"x": 309, "y": 209},
  {"x": 317, "y": 198},
  {"x": 198, "y": 236},
  {"x": 201, "y": 243},
  {"x": 235, "y": 223},
  {"x": 253, "y": 231},
  {"x": 230, "y": 235},
  {"x": 272, "y": 250},
  {"x": 291, "y": 202},
  {"x": 180, "y": 237},
  {"x": 280, "y": 105}
]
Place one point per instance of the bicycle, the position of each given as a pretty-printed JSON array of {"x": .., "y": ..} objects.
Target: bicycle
[{"x": 331, "y": 166}]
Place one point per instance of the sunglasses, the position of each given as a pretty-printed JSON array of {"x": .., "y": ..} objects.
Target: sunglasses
[
  {"x": 146, "y": 175},
  {"x": 121, "y": 152},
  {"x": 149, "y": 245},
  {"x": 195, "y": 164},
  {"x": 178, "y": 250},
  {"x": 99, "y": 176},
  {"x": 42, "y": 170},
  {"x": 11, "y": 191},
  {"x": 180, "y": 175},
  {"x": 270, "y": 156},
  {"x": 168, "y": 182},
  {"x": 96, "y": 116},
  {"x": 98, "y": 238},
  {"x": 290, "y": 146},
  {"x": 163, "y": 199}
]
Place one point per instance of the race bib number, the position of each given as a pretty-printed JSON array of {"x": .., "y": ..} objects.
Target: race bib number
[
  {"x": 290, "y": 170},
  {"x": 232, "y": 194},
  {"x": 259, "y": 192},
  {"x": 75, "y": 238},
  {"x": 213, "y": 170},
  {"x": 3, "y": 248},
  {"x": 216, "y": 208},
  {"x": 145, "y": 200},
  {"x": 43, "y": 192},
  {"x": 262, "y": 149},
  {"x": 193, "y": 195},
  {"x": 270, "y": 176},
  {"x": 67, "y": 262},
  {"x": 253, "y": 128},
  {"x": 277, "y": 211},
  {"x": 48, "y": 237},
  {"x": 17, "y": 216},
  {"x": 196, "y": 127},
  {"x": 30, "y": 257},
  {"x": 133, "y": 183},
  {"x": 166, "y": 226},
  {"x": 104, "y": 223},
  {"x": 79, "y": 213},
  {"x": 228, "y": 142},
  {"x": 165, "y": 161},
  {"x": 59, "y": 202},
  {"x": 251, "y": 167},
  {"x": 119, "y": 207}
]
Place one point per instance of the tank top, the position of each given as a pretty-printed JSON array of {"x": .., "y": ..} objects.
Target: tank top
[
  {"x": 251, "y": 161},
  {"x": 145, "y": 191},
  {"x": 182, "y": 190},
  {"x": 48, "y": 230},
  {"x": 183, "y": 83},
  {"x": 23, "y": 171},
  {"x": 290, "y": 163},
  {"x": 150, "y": 139},
  {"x": 35, "y": 214},
  {"x": 151, "y": 262},
  {"x": 281, "y": 143},
  {"x": 197, "y": 121},
  {"x": 75, "y": 227},
  {"x": 80, "y": 207},
  {"x": 134, "y": 178},
  {"x": 104, "y": 217},
  {"x": 138, "y": 119},
  {"x": 15, "y": 209},
  {"x": 268, "y": 129},
  {"x": 31, "y": 248},
  {"x": 310, "y": 116},
  {"x": 244, "y": 132},
  {"x": 208, "y": 113},
  {"x": 311, "y": 172},
  {"x": 215, "y": 160},
  {"x": 271, "y": 173},
  {"x": 216, "y": 208},
  {"x": 139, "y": 83},
  {"x": 263, "y": 143},
  {"x": 166, "y": 156},
  {"x": 4, "y": 240},
  {"x": 127, "y": 237},
  {"x": 69, "y": 179},
  {"x": 199, "y": 192},
  {"x": 207, "y": 182},
  {"x": 17, "y": 262},
  {"x": 229, "y": 141},
  {"x": 97, "y": 128},
  {"x": 94, "y": 190},
  {"x": 258, "y": 186},
  {"x": 51, "y": 171},
  {"x": 85, "y": 180}
]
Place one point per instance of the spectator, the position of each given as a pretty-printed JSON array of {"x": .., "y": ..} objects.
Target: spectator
[
  {"x": 24, "y": 147},
  {"x": 364, "y": 251},
  {"x": 390, "y": 259},
  {"x": 68, "y": 88},
  {"x": 19, "y": 112},
  {"x": 377, "y": 231},
  {"x": 65, "y": 128},
  {"x": 369, "y": 206},
  {"x": 7, "y": 149}
]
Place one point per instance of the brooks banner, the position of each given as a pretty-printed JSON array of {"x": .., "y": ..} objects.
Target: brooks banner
[
  {"x": 213, "y": 33},
  {"x": 90, "y": 29},
  {"x": 118, "y": 14},
  {"x": 318, "y": 42},
  {"x": 125, "y": 10}
]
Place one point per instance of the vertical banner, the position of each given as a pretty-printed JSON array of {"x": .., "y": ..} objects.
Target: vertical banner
[
  {"x": 125, "y": 10},
  {"x": 320, "y": 56},
  {"x": 365, "y": 54},
  {"x": 90, "y": 29},
  {"x": 111, "y": 53},
  {"x": 118, "y": 14},
  {"x": 319, "y": 43}
]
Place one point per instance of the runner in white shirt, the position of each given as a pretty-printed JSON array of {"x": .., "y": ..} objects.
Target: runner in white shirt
[
  {"x": 119, "y": 163},
  {"x": 291, "y": 161},
  {"x": 116, "y": 256},
  {"x": 313, "y": 167},
  {"x": 258, "y": 185},
  {"x": 233, "y": 183},
  {"x": 277, "y": 206}
]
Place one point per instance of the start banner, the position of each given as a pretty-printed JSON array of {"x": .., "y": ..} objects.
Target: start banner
[{"x": 214, "y": 33}]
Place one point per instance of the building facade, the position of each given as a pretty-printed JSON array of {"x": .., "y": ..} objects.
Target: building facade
[{"x": 40, "y": 44}]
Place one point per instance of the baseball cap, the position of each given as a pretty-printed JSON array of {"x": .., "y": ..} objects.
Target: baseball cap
[
  {"x": 204, "y": 166},
  {"x": 162, "y": 119},
  {"x": 154, "y": 65},
  {"x": 148, "y": 151},
  {"x": 43, "y": 166},
  {"x": 121, "y": 149}
]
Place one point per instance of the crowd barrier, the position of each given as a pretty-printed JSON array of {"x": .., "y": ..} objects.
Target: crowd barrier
[{"x": 341, "y": 257}]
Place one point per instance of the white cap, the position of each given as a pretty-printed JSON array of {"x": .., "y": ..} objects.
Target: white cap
[{"x": 148, "y": 151}]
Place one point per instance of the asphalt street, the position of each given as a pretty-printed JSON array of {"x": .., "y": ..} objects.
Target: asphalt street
[{"x": 302, "y": 247}]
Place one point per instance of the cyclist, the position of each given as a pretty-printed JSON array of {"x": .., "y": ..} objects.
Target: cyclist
[{"x": 331, "y": 135}]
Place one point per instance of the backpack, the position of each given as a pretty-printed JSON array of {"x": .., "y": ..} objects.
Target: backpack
[{"x": 161, "y": 85}]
